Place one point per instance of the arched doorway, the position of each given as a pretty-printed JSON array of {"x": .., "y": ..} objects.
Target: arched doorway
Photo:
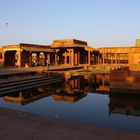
[{"x": 10, "y": 58}]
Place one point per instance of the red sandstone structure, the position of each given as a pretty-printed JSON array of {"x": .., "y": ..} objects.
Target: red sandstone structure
[
  {"x": 21, "y": 55},
  {"x": 68, "y": 52},
  {"x": 71, "y": 52}
]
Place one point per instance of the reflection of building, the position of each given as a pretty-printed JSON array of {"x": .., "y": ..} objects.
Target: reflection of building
[
  {"x": 78, "y": 82},
  {"x": 104, "y": 88},
  {"x": 83, "y": 84},
  {"x": 72, "y": 91},
  {"x": 125, "y": 81},
  {"x": 102, "y": 82},
  {"x": 64, "y": 96},
  {"x": 124, "y": 105},
  {"x": 27, "y": 96},
  {"x": 78, "y": 87},
  {"x": 98, "y": 82}
]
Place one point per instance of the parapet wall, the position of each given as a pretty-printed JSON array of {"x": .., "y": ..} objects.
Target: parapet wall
[{"x": 66, "y": 42}]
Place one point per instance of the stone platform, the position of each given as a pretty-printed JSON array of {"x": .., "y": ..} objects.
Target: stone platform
[{"x": 25, "y": 126}]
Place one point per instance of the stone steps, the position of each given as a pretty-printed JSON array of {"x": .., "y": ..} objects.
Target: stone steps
[{"x": 29, "y": 83}]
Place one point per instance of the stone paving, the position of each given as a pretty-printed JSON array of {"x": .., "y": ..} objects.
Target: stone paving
[{"x": 25, "y": 126}]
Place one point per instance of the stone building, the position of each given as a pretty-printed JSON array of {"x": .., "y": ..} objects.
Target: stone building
[
  {"x": 68, "y": 52},
  {"x": 72, "y": 52},
  {"x": 22, "y": 55},
  {"x": 120, "y": 55}
]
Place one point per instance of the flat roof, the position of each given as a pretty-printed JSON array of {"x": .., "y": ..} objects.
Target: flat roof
[{"x": 30, "y": 47}]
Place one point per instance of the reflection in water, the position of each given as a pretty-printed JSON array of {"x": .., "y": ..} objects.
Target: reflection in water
[
  {"x": 72, "y": 91},
  {"x": 102, "y": 82},
  {"x": 68, "y": 97},
  {"x": 89, "y": 106},
  {"x": 78, "y": 87},
  {"x": 126, "y": 105},
  {"x": 27, "y": 96},
  {"x": 75, "y": 89}
]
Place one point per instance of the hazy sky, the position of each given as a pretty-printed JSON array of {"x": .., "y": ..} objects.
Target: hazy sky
[{"x": 99, "y": 22}]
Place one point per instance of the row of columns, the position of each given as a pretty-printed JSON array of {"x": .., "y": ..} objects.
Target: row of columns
[
  {"x": 71, "y": 57},
  {"x": 77, "y": 82},
  {"x": 75, "y": 57},
  {"x": 113, "y": 58},
  {"x": 22, "y": 58}
]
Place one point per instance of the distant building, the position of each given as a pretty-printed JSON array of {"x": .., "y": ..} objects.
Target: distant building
[{"x": 120, "y": 55}]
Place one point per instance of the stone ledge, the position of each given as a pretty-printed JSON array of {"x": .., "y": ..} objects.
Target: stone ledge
[{"x": 21, "y": 125}]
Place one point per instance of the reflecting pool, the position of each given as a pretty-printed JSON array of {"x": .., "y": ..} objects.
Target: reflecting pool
[{"x": 79, "y": 100}]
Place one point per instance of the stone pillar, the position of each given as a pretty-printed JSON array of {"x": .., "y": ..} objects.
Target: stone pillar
[
  {"x": 65, "y": 58},
  {"x": 19, "y": 58},
  {"x": 30, "y": 59},
  {"x": 2, "y": 59},
  {"x": 103, "y": 55},
  {"x": 118, "y": 58},
  {"x": 3, "y": 54},
  {"x": 72, "y": 57},
  {"x": 115, "y": 58},
  {"x": 38, "y": 54},
  {"x": 75, "y": 58},
  {"x": 56, "y": 57},
  {"x": 106, "y": 58},
  {"x": 78, "y": 58},
  {"x": 111, "y": 58},
  {"x": 49, "y": 58},
  {"x": 98, "y": 58},
  {"x": 45, "y": 57},
  {"x": 103, "y": 58},
  {"x": 95, "y": 59},
  {"x": 88, "y": 57},
  {"x": 69, "y": 55}
]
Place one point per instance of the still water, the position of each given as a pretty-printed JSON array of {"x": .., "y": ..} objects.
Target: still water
[{"x": 79, "y": 100}]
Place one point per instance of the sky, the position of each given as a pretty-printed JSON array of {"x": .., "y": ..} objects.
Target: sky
[{"x": 102, "y": 23}]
